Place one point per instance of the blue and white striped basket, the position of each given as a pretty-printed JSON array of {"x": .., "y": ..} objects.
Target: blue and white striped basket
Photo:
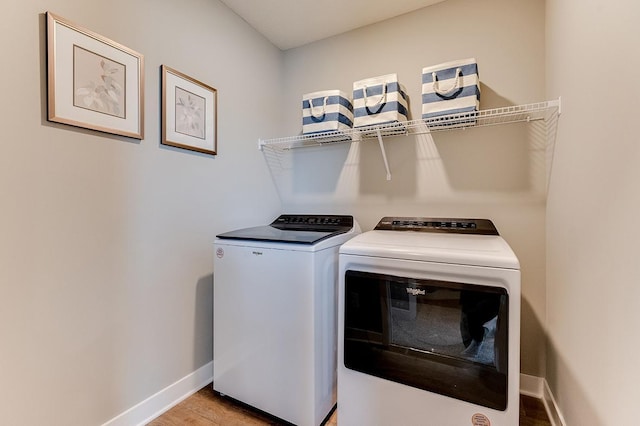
[
  {"x": 450, "y": 88},
  {"x": 379, "y": 101},
  {"x": 326, "y": 111}
]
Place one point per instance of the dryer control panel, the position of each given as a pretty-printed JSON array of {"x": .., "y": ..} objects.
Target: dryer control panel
[{"x": 448, "y": 225}]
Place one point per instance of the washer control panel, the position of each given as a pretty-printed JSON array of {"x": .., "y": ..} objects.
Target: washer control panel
[{"x": 291, "y": 221}]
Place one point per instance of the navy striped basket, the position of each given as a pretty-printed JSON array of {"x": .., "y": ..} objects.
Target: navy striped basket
[
  {"x": 450, "y": 88},
  {"x": 379, "y": 101},
  {"x": 326, "y": 111}
]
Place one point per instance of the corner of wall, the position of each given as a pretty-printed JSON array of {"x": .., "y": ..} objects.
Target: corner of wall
[{"x": 162, "y": 401}]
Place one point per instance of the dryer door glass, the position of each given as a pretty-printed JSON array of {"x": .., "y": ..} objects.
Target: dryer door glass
[{"x": 441, "y": 336}]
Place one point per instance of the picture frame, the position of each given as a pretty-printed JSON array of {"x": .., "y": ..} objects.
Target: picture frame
[
  {"x": 93, "y": 82},
  {"x": 189, "y": 112}
]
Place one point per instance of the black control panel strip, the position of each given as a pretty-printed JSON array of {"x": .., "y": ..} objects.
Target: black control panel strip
[
  {"x": 313, "y": 222},
  {"x": 448, "y": 225}
]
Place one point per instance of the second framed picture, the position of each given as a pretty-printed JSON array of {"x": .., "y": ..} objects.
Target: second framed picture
[{"x": 189, "y": 112}]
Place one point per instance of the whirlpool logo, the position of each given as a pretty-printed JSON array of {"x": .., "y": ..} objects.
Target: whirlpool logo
[{"x": 416, "y": 291}]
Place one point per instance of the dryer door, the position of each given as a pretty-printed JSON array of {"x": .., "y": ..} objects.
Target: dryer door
[{"x": 435, "y": 335}]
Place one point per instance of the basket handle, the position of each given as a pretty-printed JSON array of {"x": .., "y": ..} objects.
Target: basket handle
[
  {"x": 454, "y": 86},
  {"x": 323, "y": 106},
  {"x": 382, "y": 96}
]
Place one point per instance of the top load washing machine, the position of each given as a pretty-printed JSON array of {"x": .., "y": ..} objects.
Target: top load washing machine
[
  {"x": 428, "y": 325},
  {"x": 274, "y": 307}
]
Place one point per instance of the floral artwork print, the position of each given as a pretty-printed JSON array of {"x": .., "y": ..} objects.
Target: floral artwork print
[
  {"x": 98, "y": 83},
  {"x": 190, "y": 113},
  {"x": 189, "y": 117}
]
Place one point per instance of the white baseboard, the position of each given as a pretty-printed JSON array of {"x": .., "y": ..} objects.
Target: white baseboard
[
  {"x": 538, "y": 387},
  {"x": 531, "y": 385},
  {"x": 163, "y": 400},
  {"x": 555, "y": 416}
]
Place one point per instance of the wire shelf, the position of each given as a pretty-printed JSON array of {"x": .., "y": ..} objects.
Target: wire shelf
[{"x": 489, "y": 117}]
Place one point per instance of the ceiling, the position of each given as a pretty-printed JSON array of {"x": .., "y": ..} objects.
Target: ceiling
[{"x": 293, "y": 23}]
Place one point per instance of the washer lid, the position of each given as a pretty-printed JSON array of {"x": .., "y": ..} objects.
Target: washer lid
[
  {"x": 452, "y": 248},
  {"x": 297, "y": 229}
]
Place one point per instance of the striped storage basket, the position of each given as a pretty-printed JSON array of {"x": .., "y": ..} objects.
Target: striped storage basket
[
  {"x": 450, "y": 88},
  {"x": 379, "y": 100},
  {"x": 326, "y": 111}
]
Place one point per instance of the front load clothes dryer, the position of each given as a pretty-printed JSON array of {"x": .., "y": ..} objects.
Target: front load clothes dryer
[
  {"x": 274, "y": 308},
  {"x": 428, "y": 325}
]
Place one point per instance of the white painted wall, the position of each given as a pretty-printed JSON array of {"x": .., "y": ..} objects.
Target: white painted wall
[
  {"x": 497, "y": 173},
  {"x": 106, "y": 251},
  {"x": 593, "y": 297}
]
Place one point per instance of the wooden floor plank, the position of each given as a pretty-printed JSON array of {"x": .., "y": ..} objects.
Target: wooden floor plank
[
  {"x": 207, "y": 408},
  {"x": 532, "y": 412}
]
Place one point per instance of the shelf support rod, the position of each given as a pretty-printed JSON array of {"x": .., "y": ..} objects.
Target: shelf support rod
[{"x": 384, "y": 153}]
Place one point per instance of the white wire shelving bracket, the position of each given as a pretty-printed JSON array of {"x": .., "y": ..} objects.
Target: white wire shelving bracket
[{"x": 489, "y": 117}]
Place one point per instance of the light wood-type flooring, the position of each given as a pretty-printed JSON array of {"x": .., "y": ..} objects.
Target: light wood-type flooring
[{"x": 207, "y": 408}]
